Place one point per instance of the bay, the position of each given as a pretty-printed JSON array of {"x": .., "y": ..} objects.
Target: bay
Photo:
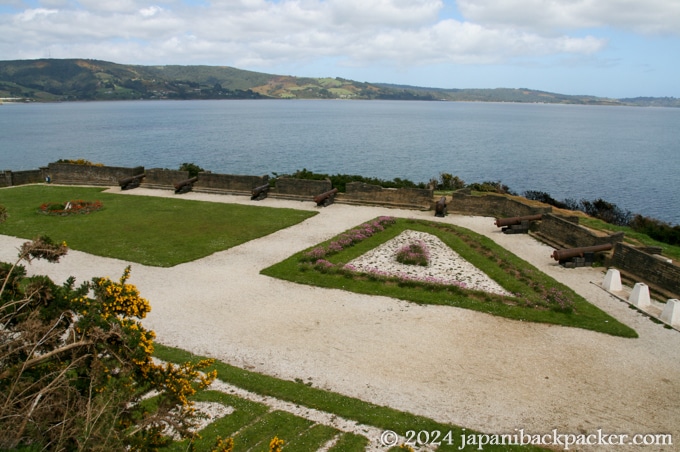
[{"x": 626, "y": 155}]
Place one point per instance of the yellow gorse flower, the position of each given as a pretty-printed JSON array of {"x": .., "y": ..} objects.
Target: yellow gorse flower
[
  {"x": 224, "y": 445},
  {"x": 122, "y": 298},
  {"x": 276, "y": 444}
]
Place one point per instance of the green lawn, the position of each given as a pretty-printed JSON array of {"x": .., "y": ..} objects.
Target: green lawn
[
  {"x": 148, "y": 230},
  {"x": 539, "y": 298}
]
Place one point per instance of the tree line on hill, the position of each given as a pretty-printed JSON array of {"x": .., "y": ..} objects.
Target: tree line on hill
[{"x": 49, "y": 80}]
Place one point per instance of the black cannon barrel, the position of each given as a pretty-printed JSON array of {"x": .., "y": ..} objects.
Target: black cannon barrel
[
  {"x": 259, "y": 192},
  {"x": 500, "y": 222},
  {"x": 568, "y": 253},
  {"x": 132, "y": 179},
  {"x": 183, "y": 183},
  {"x": 260, "y": 189},
  {"x": 440, "y": 207},
  {"x": 319, "y": 199}
]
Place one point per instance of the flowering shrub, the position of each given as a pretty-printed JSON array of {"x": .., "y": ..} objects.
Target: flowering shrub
[
  {"x": 415, "y": 253},
  {"x": 76, "y": 362},
  {"x": 349, "y": 238},
  {"x": 73, "y": 207},
  {"x": 323, "y": 265},
  {"x": 223, "y": 445},
  {"x": 558, "y": 300},
  {"x": 276, "y": 444},
  {"x": 403, "y": 279},
  {"x": 79, "y": 162}
]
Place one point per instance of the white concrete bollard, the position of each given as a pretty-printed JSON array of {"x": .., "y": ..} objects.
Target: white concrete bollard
[
  {"x": 612, "y": 280},
  {"x": 671, "y": 312},
  {"x": 640, "y": 296}
]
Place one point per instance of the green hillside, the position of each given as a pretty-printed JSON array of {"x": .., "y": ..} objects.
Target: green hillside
[{"x": 50, "y": 80}]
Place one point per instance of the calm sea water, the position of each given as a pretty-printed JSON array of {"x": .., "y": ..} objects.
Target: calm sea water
[{"x": 629, "y": 156}]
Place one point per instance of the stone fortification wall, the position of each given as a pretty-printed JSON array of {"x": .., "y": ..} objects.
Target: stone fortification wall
[
  {"x": 228, "y": 183},
  {"x": 655, "y": 272},
  {"x": 568, "y": 233},
  {"x": 557, "y": 231},
  {"x": 71, "y": 174},
  {"x": 299, "y": 189},
  {"x": 491, "y": 205},
  {"x": 163, "y": 178},
  {"x": 9, "y": 178},
  {"x": 410, "y": 198}
]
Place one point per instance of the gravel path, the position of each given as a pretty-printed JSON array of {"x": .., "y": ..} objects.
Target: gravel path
[{"x": 453, "y": 365}]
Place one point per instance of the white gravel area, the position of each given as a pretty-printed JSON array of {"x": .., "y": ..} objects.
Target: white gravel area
[
  {"x": 453, "y": 365},
  {"x": 445, "y": 265}
]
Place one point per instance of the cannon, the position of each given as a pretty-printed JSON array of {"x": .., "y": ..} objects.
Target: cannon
[
  {"x": 516, "y": 225},
  {"x": 259, "y": 193},
  {"x": 440, "y": 207},
  {"x": 129, "y": 183},
  {"x": 325, "y": 198},
  {"x": 185, "y": 185},
  {"x": 579, "y": 257}
]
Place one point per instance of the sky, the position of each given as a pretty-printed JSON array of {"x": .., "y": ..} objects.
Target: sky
[{"x": 605, "y": 48}]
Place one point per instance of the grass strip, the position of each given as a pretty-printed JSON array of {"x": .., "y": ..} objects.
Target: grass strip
[
  {"x": 148, "y": 230},
  {"x": 347, "y": 407},
  {"x": 313, "y": 439},
  {"x": 245, "y": 413},
  {"x": 349, "y": 442},
  {"x": 285, "y": 426},
  {"x": 632, "y": 236}
]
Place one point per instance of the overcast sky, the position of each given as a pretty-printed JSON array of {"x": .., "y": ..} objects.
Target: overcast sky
[{"x": 608, "y": 48}]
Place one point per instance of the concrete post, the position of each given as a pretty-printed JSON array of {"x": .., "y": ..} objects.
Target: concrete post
[
  {"x": 640, "y": 296},
  {"x": 612, "y": 280},
  {"x": 671, "y": 312}
]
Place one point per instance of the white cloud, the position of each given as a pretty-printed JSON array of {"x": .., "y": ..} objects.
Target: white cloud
[
  {"x": 384, "y": 13},
  {"x": 649, "y": 16},
  {"x": 118, "y": 6},
  {"x": 35, "y": 14},
  {"x": 264, "y": 33}
]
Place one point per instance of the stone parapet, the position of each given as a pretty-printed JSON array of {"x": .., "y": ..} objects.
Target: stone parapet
[
  {"x": 299, "y": 189},
  {"x": 567, "y": 233},
  {"x": 228, "y": 183},
  {"x": 163, "y": 178},
  {"x": 73, "y": 174},
  {"x": 408, "y": 198},
  {"x": 661, "y": 275}
]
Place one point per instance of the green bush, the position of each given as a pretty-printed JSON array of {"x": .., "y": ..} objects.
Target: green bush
[
  {"x": 340, "y": 181},
  {"x": 192, "y": 168}
]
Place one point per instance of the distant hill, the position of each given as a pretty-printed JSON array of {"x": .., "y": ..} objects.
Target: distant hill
[{"x": 50, "y": 80}]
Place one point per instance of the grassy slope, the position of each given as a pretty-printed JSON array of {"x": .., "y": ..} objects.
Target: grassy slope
[
  {"x": 502, "y": 267},
  {"x": 330, "y": 402}
]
